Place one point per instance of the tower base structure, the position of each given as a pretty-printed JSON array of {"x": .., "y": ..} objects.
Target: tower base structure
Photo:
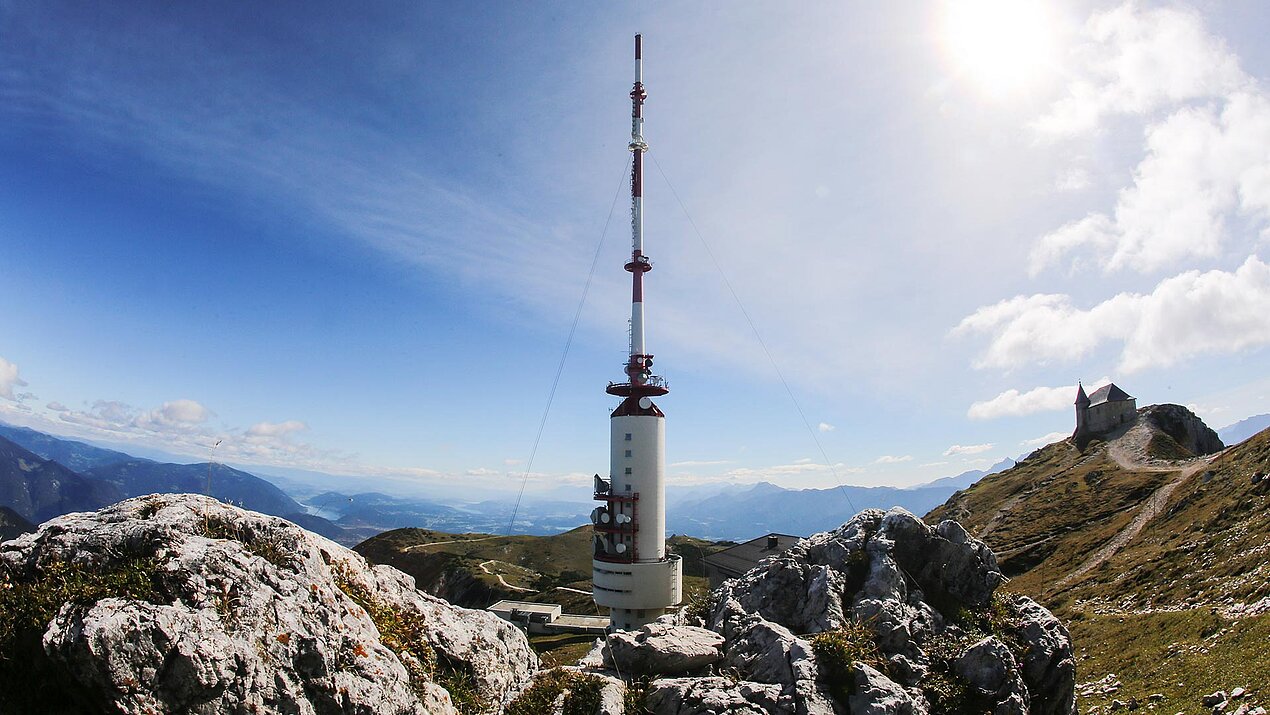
[
  {"x": 631, "y": 573},
  {"x": 637, "y": 593}
]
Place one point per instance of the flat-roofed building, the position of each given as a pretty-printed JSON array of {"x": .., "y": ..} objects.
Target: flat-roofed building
[{"x": 734, "y": 561}]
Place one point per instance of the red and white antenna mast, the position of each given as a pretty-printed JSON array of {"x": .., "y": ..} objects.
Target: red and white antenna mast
[
  {"x": 633, "y": 574},
  {"x": 640, "y": 380}
]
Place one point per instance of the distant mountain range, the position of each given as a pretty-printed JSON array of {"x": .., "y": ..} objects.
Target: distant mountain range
[
  {"x": 38, "y": 489},
  {"x": 743, "y": 513},
  {"x": 76, "y": 456},
  {"x": 100, "y": 476},
  {"x": 36, "y": 485},
  {"x": 1243, "y": 429}
]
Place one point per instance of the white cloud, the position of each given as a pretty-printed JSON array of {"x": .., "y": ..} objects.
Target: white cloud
[
  {"x": 1043, "y": 440},
  {"x": 276, "y": 429},
  {"x": 56, "y": 406},
  {"x": 9, "y": 379},
  {"x": 1135, "y": 61},
  {"x": 180, "y": 414},
  {"x": 958, "y": 449},
  {"x": 826, "y": 427},
  {"x": 700, "y": 463},
  {"x": 799, "y": 467},
  {"x": 483, "y": 472},
  {"x": 1202, "y": 167},
  {"x": 1073, "y": 179},
  {"x": 1191, "y": 314},
  {"x": 1013, "y": 403},
  {"x": 933, "y": 464},
  {"x": 890, "y": 459}
]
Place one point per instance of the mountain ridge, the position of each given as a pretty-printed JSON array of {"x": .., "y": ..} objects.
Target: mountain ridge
[{"x": 1152, "y": 553}]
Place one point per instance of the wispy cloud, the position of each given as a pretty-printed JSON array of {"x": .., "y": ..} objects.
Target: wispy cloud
[
  {"x": 700, "y": 462},
  {"x": 1043, "y": 440},
  {"x": 1217, "y": 312},
  {"x": 1202, "y": 165},
  {"x": 1013, "y": 403},
  {"x": 958, "y": 449},
  {"x": 9, "y": 379},
  {"x": 1134, "y": 60},
  {"x": 826, "y": 427},
  {"x": 890, "y": 459},
  {"x": 1203, "y": 172}
]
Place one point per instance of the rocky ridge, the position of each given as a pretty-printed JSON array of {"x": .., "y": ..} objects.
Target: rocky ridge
[
  {"x": 882, "y": 615},
  {"x": 179, "y": 603}
]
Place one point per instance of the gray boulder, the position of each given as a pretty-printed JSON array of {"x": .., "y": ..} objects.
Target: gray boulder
[
  {"x": 715, "y": 695},
  {"x": 1049, "y": 663},
  {"x": 876, "y": 694},
  {"x": 663, "y": 649},
  {"x": 767, "y": 652},
  {"x": 222, "y": 610},
  {"x": 990, "y": 668}
]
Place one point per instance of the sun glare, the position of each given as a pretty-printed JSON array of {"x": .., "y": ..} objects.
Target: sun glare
[{"x": 1001, "y": 46}]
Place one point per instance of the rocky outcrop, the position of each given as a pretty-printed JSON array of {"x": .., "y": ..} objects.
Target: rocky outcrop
[
  {"x": 882, "y": 615},
  {"x": 1183, "y": 427},
  {"x": 661, "y": 648},
  {"x": 179, "y": 603},
  {"x": 710, "y": 695}
]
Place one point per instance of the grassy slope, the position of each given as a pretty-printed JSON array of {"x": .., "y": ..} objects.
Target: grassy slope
[
  {"x": 1160, "y": 613},
  {"x": 540, "y": 562}
]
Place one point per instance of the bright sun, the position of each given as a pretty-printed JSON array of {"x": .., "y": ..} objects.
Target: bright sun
[{"x": 1001, "y": 46}]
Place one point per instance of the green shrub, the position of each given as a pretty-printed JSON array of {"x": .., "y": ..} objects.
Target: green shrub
[
  {"x": 837, "y": 651},
  {"x": 700, "y": 606},
  {"x": 943, "y": 689},
  {"x": 636, "y": 691},
  {"x": 581, "y": 694},
  {"x": 28, "y": 605}
]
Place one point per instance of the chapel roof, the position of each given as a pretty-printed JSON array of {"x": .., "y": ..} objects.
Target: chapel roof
[{"x": 1108, "y": 393}]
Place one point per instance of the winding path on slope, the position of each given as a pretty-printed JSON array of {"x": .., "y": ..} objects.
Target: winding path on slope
[
  {"x": 452, "y": 541},
  {"x": 1130, "y": 453},
  {"x": 485, "y": 567}
]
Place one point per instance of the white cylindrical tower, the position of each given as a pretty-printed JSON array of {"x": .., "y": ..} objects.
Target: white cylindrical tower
[{"x": 631, "y": 572}]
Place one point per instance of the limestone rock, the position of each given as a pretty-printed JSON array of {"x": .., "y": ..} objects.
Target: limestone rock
[
  {"x": 767, "y": 652},
  {"x": 712, "y": 695},
  {"x": 911, "y": 584},
  {"x": 612, "y": 696},
  {"x": 990, "y": 668},
  {"x": 1184, "y": 427},
  {"x": 876, "y": 694},
  {"x": 247, "y": 613},
  {"x": 662, "y": 649},
  {"x": 1049, "y": 663}
]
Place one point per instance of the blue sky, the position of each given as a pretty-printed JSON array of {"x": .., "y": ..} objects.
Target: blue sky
[{"x": 353, "y": 239}]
